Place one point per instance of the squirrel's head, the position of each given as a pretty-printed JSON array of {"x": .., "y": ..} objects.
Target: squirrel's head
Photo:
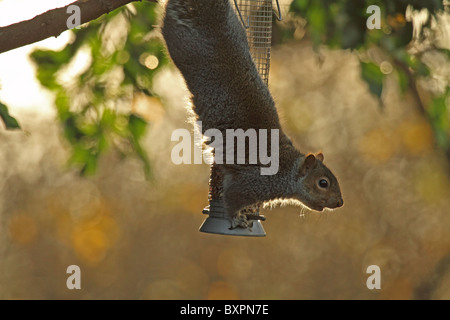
[{"x": 318, "y": 187}]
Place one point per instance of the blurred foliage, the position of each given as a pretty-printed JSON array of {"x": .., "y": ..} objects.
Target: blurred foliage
[
  {"x": 8, "y": 120},
  {"x": 398, "y": 47},
  {"x": 342, "y": 23},
  {"x": 118, "y": 55}
]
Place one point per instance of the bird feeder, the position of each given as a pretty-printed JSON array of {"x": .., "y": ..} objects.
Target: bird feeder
[{"x": 256, "y": 17}]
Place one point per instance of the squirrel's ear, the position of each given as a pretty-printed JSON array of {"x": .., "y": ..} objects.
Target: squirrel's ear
[
  {"x": 319, "y": 156},
  {"x": 309, "y": 163}
]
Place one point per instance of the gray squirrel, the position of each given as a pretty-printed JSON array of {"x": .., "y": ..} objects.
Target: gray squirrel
[{"x": 208, "y": 44}]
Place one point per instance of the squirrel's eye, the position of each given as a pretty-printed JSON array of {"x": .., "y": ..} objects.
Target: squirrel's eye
[{"x": 323, "y": 183}]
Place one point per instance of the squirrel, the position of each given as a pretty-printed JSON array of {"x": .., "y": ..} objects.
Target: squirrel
[{"x": 208, "y": 44}]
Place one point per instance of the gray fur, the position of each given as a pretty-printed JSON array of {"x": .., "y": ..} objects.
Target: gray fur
[{"x": 209, "y": 46}]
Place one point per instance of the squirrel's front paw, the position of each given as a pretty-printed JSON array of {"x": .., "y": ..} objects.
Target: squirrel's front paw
[{"x": 240, "y": 221}]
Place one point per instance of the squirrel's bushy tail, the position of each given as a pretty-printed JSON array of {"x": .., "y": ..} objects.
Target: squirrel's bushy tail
[
  {"x": 206, "y": 41},
  {"x": 198, "y": 7},
  {"x": 191, "y": 29}
]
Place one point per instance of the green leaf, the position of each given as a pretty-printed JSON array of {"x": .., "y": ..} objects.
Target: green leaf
[
  {"x": 108, "y": 118},
  {"x": 48, "y": 63},
  {"x": 317, "y": 19},
  {"x": 52, "y": 58},
  {"x": 372, "y": 74},
  {"x": 72, "y": 131},
  {"x": 422, "y": 69},
  {"x": 10, "y": 122},
  {"x": 85, "y": 158},
  {"x": 403, "y": 81},
  {"x": 419, "y": 68},
  {"x": 137, "y": 126},
  {"x": 438, "y": 113},
  {"x": 299, "y": 6},
  {"x": 446, "y": 52},
  {"x": 62, "y": 103}
]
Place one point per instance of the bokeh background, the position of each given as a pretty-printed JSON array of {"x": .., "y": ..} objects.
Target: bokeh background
[{"x": 136, "y": 238}]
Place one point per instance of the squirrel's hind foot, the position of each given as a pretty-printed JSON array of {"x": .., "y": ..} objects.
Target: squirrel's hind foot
[
  {"x": 245, "y": 220},
  {"x": 241, "y": 221}
]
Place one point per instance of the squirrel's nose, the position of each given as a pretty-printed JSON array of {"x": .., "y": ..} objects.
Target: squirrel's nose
[{"x": 339, "y": 203}]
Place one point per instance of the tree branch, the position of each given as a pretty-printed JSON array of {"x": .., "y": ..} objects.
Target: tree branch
[{"x": 53, "y": 22}]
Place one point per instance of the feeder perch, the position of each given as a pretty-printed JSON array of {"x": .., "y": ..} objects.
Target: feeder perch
[
  {"x": 217, "y": 221},
  {"x": 256, "y": 17}
]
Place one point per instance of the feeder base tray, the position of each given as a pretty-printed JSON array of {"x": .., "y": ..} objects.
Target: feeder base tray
[{"x": 218, "y": 223}]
